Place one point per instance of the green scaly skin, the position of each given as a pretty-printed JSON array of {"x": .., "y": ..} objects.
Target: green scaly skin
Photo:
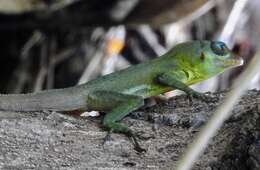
[{"x": 122, "y": 92}]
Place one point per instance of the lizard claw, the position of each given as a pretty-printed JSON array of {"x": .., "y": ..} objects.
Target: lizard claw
[
  {"x": 137, "y": 147},
  {"x": 107, "y": 137}
]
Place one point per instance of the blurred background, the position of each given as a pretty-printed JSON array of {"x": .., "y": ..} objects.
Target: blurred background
[{"x": 49, "y": 44}]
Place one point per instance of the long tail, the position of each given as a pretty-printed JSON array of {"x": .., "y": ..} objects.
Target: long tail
[{"x": 57, "y": 99}]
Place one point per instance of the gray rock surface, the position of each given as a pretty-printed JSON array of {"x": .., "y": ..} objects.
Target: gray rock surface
[{"x": 51, "y": 140}]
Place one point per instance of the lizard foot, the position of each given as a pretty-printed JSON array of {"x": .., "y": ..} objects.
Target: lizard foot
[
  {"x": 131, "y": 136},
  {"x": 137, "y": 147}
]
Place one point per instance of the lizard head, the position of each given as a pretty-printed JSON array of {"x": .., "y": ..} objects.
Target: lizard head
[
  {"x": 205, "y": 59},
  {"x": 218, "y": 54},
  {"x": 215, "y": 57}
]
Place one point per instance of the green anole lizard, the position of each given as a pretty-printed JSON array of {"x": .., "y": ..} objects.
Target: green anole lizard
[{"x": 124, "y": 91}]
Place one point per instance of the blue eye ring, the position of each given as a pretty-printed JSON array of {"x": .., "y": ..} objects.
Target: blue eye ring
[{"x": 219, "y": 48}]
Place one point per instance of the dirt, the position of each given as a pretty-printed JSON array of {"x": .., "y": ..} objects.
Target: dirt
[{"x": 51, "y": 140}]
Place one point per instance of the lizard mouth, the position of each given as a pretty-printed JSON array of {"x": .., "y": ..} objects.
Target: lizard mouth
[{"x": 234, "y": 62}]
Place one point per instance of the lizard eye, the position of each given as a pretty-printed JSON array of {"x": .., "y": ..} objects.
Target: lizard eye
[{"x": 219, "y": 48}]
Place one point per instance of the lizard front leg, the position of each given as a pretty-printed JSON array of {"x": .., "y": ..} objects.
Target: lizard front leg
[
  {"x": 177, "y": 80},
  {"x": 119, "y": 105}
]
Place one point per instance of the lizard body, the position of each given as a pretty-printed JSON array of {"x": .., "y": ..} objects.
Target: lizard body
[{"x": 124, "y": 91}]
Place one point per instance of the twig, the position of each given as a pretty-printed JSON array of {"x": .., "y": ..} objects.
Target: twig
[
  {"x": 92, "y": 66},
  {"x": 43, "y": 69},
  {"x": 20, "y": 75},
  {"x": 232, "y": 21},
  {"x": 63, "y": 55},
  {"x": 227, "y": 34},
  {"x": 122, "y": 9},
  {"x": 151, "y": 39},
  {"x": 198, "y": 13},
  {"x": 174, "y": 32},
  {"x": 51, "y": 66},
  {"x": 34, "y": 39},
  {"x": 62, "y": 4},
  {"x": 54, "y": 61}
]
